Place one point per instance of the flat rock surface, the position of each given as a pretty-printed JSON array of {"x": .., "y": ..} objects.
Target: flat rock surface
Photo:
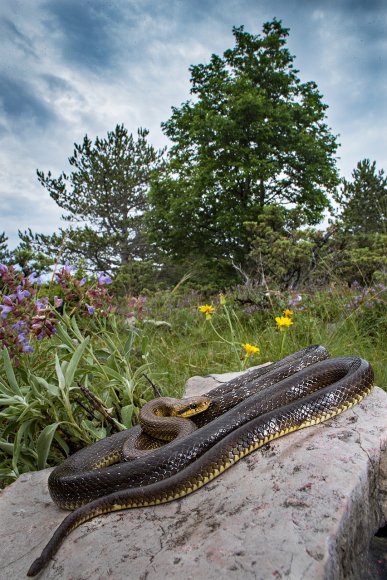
[{"x": 303, "y": 507}]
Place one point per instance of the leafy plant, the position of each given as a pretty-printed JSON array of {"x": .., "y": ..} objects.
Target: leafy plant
[
  {"x": 43, "y": 416},
  {"x": 26, "y": 317}
]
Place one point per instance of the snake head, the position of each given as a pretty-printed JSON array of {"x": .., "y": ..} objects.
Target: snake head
[{"x": 191, "y": 406}]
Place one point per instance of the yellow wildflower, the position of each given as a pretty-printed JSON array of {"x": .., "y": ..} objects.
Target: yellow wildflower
[
  {"x": 283, "y": 321},
  {"x": 250, "y": 349},
  {"x": 288, "y": 313},
  {"x": 207, "y": 309}
]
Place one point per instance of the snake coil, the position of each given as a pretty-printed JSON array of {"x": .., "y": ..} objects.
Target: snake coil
[{"x": 301, "y": 390}]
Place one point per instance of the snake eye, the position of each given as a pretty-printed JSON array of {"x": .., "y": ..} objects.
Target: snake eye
[{"x": 192, "y": 406}]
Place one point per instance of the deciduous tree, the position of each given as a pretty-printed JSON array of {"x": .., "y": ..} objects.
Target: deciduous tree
[{"x": 253, "y": 135}]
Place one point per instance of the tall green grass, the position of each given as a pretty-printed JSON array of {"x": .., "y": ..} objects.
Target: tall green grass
[{"x": 192, "y": 346}]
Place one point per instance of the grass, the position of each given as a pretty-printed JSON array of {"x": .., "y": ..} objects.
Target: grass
[
  {"x": 168, "y": 340},
  {"x": 192, "y": 344}
]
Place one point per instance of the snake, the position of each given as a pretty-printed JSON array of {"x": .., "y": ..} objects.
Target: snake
[
  {"x": 301, "y": 390},
  {"x": 162, "y": 419},
  {"x": 153, "y": 430}
]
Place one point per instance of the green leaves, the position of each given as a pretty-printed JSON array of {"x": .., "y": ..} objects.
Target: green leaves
[
  {"x": 59, "y": 374},
  {"x": 96, "y": 432},
  {"x": 44, "y": 415},
  {"x": 254, "y": 136},
  {"x": 126, "y": 415},
  {"x": 12, "y": 387},
  {"x": 43, "y": 444},
  {"x": 67, "y": 374},
  {"x": 107, "y": 193},
  {"x": 364, "y": 200}
]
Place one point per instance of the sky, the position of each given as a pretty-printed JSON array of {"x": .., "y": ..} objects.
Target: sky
[{"x": 74, "y": 67}]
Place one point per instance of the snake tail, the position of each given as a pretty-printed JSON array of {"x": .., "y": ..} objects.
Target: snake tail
[{"x": 313, "y": 409}]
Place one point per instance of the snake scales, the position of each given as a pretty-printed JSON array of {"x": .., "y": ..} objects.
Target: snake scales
[
  {"x": 303, "y": 389},
  {"x": 163, "y": 419}
]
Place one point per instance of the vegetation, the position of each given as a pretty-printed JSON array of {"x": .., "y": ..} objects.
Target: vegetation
[
  {"x": 106, "y": 192},
  {"x": 207, "y": 262},
  {"x": 346, "y": 322},
  {"x": 364, "y": 200},
  {"x": 254, "y": 136},
  {"x": 73, "y": 370},
  {"x": 47, "y": 362},
  {"x": 286, "y": 254},
  {"x": 4, "y": 253}
]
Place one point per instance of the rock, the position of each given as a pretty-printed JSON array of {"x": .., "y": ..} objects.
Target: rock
[
  {"x": 198, "y": 385},
  {"x": 303, "y": 506}
]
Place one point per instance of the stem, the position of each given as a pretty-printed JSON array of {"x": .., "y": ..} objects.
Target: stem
[
  {"x": 232, "y": 344},
  {"x": 100, "y": 407},
  {"x": 282, "y": 343},
  {"x": 220, "y": 336},
  {"x": 67, "y": 406},
  {"x": 156, "y": 390},
  {"x": 244, "y": 362},
  {"x": 229, "y": 322}
]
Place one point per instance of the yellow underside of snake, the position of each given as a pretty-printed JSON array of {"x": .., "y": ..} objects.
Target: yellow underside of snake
[{"x": 278, "y": 406}]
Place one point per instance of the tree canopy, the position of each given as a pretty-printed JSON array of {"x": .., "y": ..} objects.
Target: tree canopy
[
  {"x": 253, "y": 135},
  {"x": 107, "y": 193}
]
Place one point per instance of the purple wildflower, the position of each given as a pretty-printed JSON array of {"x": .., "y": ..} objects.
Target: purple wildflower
[
  {"x": 41, "y": 304},
  {"x": 58, "y": 301},
  {"x": 34, "y": 278},
  {"x": 19, "y": 325},
  {"x": 22, "y": 337},
  {"x": 21, "y": 294},
  {"x": 8, "y": 300},
  {"x": 90, "y": 309},
  {"x": 295, "y": 300},
  {"x": 27, "y": 348},
  {"x": 5, "y": 310},
  {"x": 67, "y": 268},
  {"x": 104, "y": 279}
]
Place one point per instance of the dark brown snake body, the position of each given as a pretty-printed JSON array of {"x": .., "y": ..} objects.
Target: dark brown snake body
[
  {"x": 289, "y": 395},
  {"x": 163, "y": 419}
]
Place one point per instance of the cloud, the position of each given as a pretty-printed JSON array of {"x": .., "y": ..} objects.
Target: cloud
[
  {"x": 11, "y": 32},
  {"x": 19, "y": 100},
  {"x": 16, "y": 210},
  {"x": 86, "y": 31}
]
